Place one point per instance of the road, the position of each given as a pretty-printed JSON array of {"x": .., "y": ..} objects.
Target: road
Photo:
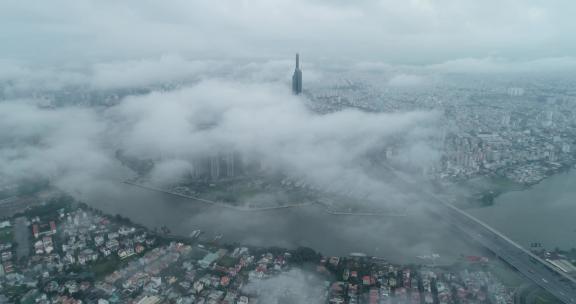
[
  {"x": 532, "y": 267},
  {"x": 323, "y": 206},
  {"x": 22, "y": 237},
  {"x": 218, "y": 204},
  {"x": 12, "y": 205}
]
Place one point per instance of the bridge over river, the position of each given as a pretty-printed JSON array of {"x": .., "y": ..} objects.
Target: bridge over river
[
  {"x": 532, "y": 267},
  {"x": 525, "y": 262}
]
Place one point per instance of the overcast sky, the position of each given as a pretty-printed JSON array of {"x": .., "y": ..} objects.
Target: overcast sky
[{"x": 407, "y": 31}]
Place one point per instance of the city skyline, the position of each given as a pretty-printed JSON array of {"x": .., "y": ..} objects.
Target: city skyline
[{"x": 171, "y": 153}]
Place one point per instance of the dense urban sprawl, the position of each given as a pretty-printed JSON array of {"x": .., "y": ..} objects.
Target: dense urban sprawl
[{"x": 62, "y": 253}]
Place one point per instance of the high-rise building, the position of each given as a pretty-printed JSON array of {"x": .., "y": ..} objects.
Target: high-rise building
[
  {"x": 297, "y": 77},
  {"x": 215, "y": 167}
]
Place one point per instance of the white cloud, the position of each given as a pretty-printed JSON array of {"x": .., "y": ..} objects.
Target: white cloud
[
  {"x": 19, "y": 76},
  {"x": 263, "y": 122},
  {"x": 294, "y": 286},
  {"x": 146, "y": 72},
  {"x": 61, "y": 145},
  {"x": 502, "y": 65},
  {"x": 406, "y": 80},
  {"x": 168, "y": 172}
]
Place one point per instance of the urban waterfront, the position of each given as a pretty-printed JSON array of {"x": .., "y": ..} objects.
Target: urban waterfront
[
  {"x": 542, "y": 213},
  {"x": 402, "y": 239}
]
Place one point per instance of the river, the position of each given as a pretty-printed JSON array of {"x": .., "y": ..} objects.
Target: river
[
  {"x": 399, "y": 239},
  {"x": 544, "y": 213}
]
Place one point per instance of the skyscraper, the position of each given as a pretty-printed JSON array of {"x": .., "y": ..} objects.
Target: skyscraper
[{"x": 297, "y": 77}]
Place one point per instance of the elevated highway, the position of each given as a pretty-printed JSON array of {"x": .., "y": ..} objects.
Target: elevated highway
[
  {"x": 525, "y": 262},
  {"x": 531, "y": 266}
]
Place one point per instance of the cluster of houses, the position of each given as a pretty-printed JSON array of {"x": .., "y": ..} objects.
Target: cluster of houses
[
  {"x": 83, "y": 257},
  {"x": 364, "y": 280}
]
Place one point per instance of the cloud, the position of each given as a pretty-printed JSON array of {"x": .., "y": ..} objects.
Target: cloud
[
  {"x": 266, "y": 124},
  {"x": 257, "y": 116},
  {"x": 419, "y": 155},
  {"x": 147, "y": 72},
  {"x": 294, "y": 287},
  {"x": 274, "y": 71},
  {"x": 406, "y": 80},
  {"x": 501, "y": 65},
  {"x": 26, "y": 80},
  {"x": 62, "y": 145},
  {"x": 168, "y": 172},
  {"x": 417, "y": 74},
  {"x": 18, "y": 76}
]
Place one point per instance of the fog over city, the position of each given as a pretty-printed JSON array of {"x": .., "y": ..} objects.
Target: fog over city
[
  {"x": 408, "y": 120},
  {"x": 261, "y": 121}
]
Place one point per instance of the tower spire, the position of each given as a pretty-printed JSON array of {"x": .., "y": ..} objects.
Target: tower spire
[
  {"x": 297, "y": 77},
  {"x": 297, "y": 61}
]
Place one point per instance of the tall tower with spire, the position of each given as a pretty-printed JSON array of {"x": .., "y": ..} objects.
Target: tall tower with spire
[{"x": 297, "y": 77}]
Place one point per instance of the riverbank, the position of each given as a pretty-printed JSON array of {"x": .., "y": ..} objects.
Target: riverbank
[
  {"x": 214, "y": 203},
  {"x": 325, "y": 207},
  {"x": 508, "y": 185},
  {"x": 484, "y": 191},
  {"x": 541, "y": 213}
]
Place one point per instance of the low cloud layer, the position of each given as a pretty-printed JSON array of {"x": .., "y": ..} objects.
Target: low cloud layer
[
  {"x": 292, "y": 287},
  {"x": 64, "y": 146},
  {"x": 263, "y": 122},
  {"x": 216, "y": 106},
  {"x": 21, "y": 78}
]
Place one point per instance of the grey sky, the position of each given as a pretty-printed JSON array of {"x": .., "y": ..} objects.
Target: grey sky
[{"x": 395, "y": 31}]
